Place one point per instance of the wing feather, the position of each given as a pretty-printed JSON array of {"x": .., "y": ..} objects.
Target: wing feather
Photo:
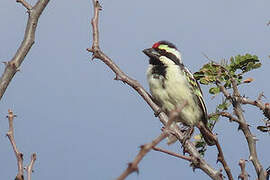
[{"x": 195, "y": 87}]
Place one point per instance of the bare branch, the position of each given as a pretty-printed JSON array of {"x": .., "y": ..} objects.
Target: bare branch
[
  {"x": 243, "y": 175},
  {"x": 250, "y": 140},
  {"x": 258, "y": 103},
  {"x": 188, "y": 158},
  {"x": 132, "y": 167},
  {"x": 224, "y": 114},
  {"x": 267, "y": 173},
  {"x": 220, "y": 157},
  {"x": 30, "y": 166},
  {"x": 25, "y": 4},
  {"x": 222, "y": 160},
  {"x": 237, "y": 100},
  {"x": 29, "y": 38},
  {"x": 18, "y": 154}
]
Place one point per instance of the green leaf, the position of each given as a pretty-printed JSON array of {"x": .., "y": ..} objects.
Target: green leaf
[
  {"x": 214, "y": 118},
  {"x": 214, "y": 90},
  {"x": 224, "y": 106}
]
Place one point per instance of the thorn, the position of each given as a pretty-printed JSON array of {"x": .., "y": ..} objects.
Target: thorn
[
  {"x": 99, "y": 6},
  {"x": 93, "y": 57},
  {"x": 130, "y": 166},
  {"x": 239, "y": 128},
  {"x": 157, "y": 113},
  {"x": 255, "y": 138},
  {"x": 21, "y": 155},
  {"x": 90, "y": 50},
  {"x": 116, "y": 77},
  {"x": 141, "y": 146}
]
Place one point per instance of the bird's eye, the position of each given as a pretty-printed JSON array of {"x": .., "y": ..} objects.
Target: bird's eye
[{"x": 161, "y": 51}]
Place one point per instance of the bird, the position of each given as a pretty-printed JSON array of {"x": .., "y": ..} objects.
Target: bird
[{"x": 171, "y": 84}]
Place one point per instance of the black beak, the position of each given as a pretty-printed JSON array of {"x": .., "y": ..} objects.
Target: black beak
[{"x": 152, "y": 53}]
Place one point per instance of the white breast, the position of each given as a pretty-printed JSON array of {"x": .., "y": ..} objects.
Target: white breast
[{"x": 173, "y": 92}]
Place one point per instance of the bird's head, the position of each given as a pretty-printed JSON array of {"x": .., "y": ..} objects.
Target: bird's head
[{"x": 163, "y": 53}]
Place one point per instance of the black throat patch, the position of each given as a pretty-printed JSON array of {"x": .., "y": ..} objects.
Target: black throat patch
[{"x": 158, "y": 67}]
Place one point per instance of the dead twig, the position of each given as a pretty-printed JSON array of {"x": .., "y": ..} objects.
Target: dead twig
[
  {"x": 188, "y": 158},
  {"x": 29, "y": 168},
  {"x": 29, "y": 38},
  {"x": 25, "y": 4},
  {"x": 133, "y": 166},
  {"x": 18, "y": 154},
  {"x": 224, "y": 114},
  {"x": 243, "y": 175}
]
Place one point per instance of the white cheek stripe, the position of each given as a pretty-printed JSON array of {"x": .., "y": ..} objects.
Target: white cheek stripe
[{"x": 173, "y": 51}]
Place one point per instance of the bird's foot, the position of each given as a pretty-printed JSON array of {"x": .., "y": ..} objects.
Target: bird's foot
[{"x": 188, "y": 131}]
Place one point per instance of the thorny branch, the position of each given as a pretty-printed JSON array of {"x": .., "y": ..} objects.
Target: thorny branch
[
  {"x": 236, "y": 100},
  {"x": 133, "y": 166},
  {"x": 220, "y": 157},
  {"x": 18, "y": 154},
  {"x": 13, "y": 65},
  {"x": 265, "y": 108},
  {"x": 197, "y": 160},
  {"x": 222, "y": 160},
  {"x": 243, "y": 175},
  {"x": 224, "y": 114},
  {"x": 30, "y": 166},
  {"x": 188, "y": 158}
]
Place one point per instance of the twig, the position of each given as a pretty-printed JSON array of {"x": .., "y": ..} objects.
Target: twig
[
  {"x": 18, "y": 154},
  {"x": 30, "y": 166},
  {"x": 25, "y": 4},
  {"x": 188, "y": 158},
  {"x": 222, "y": 160},
  {"x": 29, "y": 38},
  {"x": 132, "y": 167},
  {"x": 237, "y": 100},
  {"x": 258, "y": 103},
  {"x": 224, "y": 114},
  {"x": 243, "y": 175},
  {"x": 120, "y": 75},
  {"x": 220, "y": 157}
]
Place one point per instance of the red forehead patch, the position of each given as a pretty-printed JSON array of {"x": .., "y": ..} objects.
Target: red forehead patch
[{"x": 156, "y": 45}]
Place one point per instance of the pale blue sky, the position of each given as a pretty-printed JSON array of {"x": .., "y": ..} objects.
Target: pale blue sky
[{"x": 84, "y": 125}]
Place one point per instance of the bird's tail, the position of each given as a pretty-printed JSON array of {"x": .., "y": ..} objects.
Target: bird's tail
[{"x": 207, "y": 134}]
